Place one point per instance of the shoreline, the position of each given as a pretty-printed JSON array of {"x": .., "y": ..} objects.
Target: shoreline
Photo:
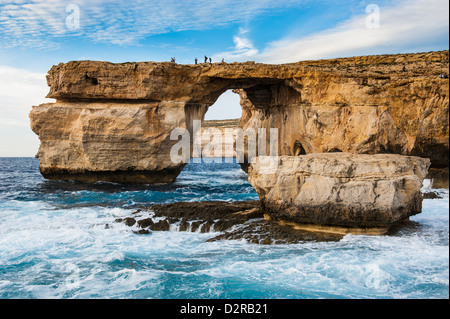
[{"x": 246, "y": 220}]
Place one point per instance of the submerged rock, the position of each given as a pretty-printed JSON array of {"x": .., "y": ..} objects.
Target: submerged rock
[{"x": 341, "y": 189}]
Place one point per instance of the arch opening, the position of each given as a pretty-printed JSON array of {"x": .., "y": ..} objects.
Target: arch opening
[
  {"x": 248, "y": 104},
  {"x": 226, "y": 107}
]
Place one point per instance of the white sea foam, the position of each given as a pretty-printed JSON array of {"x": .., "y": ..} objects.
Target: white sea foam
[{"x": 53, "y": 251}]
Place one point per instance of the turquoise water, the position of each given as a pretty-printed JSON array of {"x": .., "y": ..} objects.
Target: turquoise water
[{"x": 54, "y": 244}]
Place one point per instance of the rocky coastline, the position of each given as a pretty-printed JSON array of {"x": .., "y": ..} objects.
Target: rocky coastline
[
  {"x": 357, "y": 137},
  {"x": 244, "y": 221}
]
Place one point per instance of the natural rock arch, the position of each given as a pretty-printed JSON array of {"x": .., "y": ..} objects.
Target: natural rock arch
[{"x": 112, "y": 122}]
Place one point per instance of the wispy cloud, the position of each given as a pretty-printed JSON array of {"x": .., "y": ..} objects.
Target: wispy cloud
[
  {"x": 243, "y": 48},
  {"x": 39, "y": 22},
  {"x": 413, "y": 25}
]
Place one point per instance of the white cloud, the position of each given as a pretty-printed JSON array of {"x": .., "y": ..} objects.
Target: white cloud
[
  {"x": 243, "y": 48},
  {"x": 409, "y": 26},
  {"x": 412, "y": 25},
  {"x": 19, "y": 91}
]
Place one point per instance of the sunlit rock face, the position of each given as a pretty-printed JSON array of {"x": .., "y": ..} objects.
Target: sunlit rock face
[
  {"x": 340, "y": 189},
  {"x": 112, "y": 122}
]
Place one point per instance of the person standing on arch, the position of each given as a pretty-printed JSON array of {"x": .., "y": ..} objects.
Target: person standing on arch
[
  {"x": 196, "y": 61},
  {"x": 206, "y": 59},
  {"x": 210, "y": 60}
]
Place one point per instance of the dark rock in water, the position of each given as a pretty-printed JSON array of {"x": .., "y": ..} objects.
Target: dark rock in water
[
  {"x": 431, "y": 195},
  {"x": 224, "y": 224},
  {"x": 405, "y": 228},
  {"x": 267, "y": 232},
  {"x": 205, "y": 210},
  {"x": 142, "y": 232},
  {"x": 162, "y": 225},
  {"x": 206, "y": 227},
  {"x": 129, "y": 221},
  {"x": 235, "y": 221},
  {"x": 184, "y": 225},
  {"x": 195, "y": 225},
  {"x": 144, "y": 223},
  {"x": 199, "y": 215}
]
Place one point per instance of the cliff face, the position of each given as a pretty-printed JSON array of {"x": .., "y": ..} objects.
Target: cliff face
[
  {"x": 113, "y": 121},
  {"x": 107, "y": 141}
]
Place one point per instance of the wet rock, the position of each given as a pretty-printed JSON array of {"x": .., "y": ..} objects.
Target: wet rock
[
  {"x": 142, "y": 232},
  {"x": 266, "y": 232},
  {"x": 224, "y": 224},
  {"x": 129, "y": 221},
  {"x": 195, "y": 225},
  {"x": 145, "y": 223},
  {"x": 162, "y": 225},
  {"x": 431, "y": 195},
  {"x": 234, "y": 221},
  {"x": 206, "y": 210},
  {"x": 206, "y": 227},
  {"x": 184, "y": 225}
]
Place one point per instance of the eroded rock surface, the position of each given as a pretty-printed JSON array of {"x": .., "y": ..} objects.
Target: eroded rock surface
[{"x": 340, "y": 189}]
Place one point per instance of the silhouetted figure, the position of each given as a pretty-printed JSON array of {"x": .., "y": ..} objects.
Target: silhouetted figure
[
  {"x": 196, "y": 61},
  {"x": 206, "y": 59},
  {"x": 172, "y": 60},
  {"x": 223, "y": 60},
  {"x": 210, "y": 61},
  {"x": 404, "y": 69}
]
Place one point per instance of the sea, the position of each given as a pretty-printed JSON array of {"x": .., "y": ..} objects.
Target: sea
[{"x": 59, "y": 240}]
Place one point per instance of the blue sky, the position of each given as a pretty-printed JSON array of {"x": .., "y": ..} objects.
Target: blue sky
[{"x": 34, "y": 36}]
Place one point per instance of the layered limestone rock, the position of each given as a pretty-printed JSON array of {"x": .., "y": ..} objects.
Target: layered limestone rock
[
  {"x": 113, "y": 121},
  {"x": 340, "y": 189},
  {"x": 107, "y": 141}
]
